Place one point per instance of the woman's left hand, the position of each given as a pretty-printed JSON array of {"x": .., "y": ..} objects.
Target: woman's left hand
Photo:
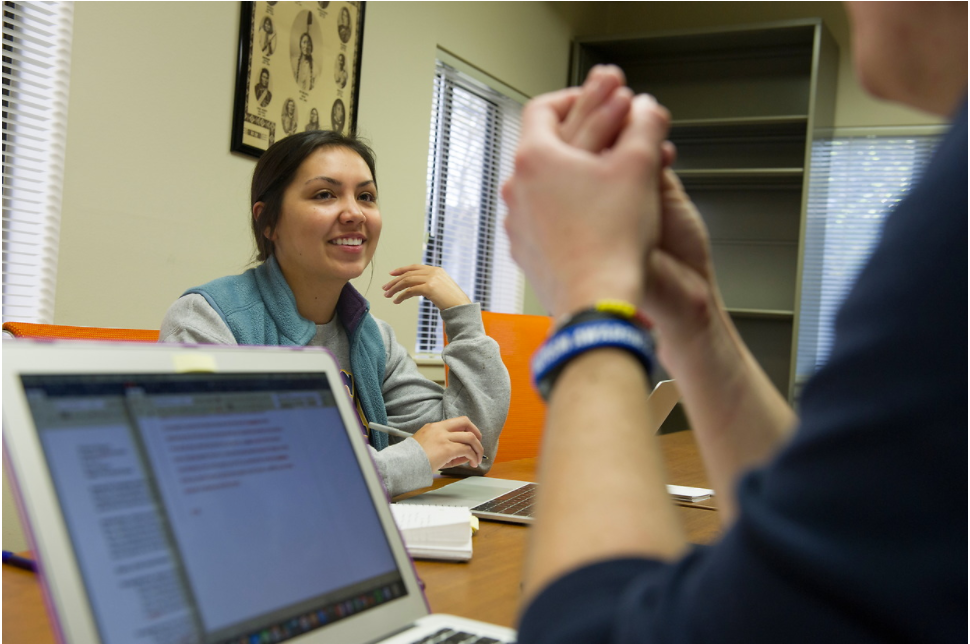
[{"x": 431, "y": 282}]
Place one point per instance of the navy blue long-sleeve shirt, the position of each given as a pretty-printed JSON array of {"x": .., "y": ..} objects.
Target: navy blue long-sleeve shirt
[{"x": 857, "y": 530}]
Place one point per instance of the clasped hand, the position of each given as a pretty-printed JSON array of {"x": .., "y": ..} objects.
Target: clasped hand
[
  {"x": 595, "y": 211},
  {"x": 583, "y": 202}
]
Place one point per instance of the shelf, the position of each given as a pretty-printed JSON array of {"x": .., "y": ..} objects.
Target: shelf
[
  {"x": 742, "y": 173},
  {"x": 740, "y": 143},
  {"x": 770, "y": 342},
  {"x": 735, "y": 42},
  {"x": 750, "y": 214},
  {"x": 754, "y": 242},
  {"x": 746, "y": 72},
  {"x": 762, "y": 314},
  {"x": 742, "y": 178},
  {"x": 740, "y": 129},
  {"x": 743, "y": 99},
  {"x": 757, "y": 275},
  {"x": 741, "y": 122}
]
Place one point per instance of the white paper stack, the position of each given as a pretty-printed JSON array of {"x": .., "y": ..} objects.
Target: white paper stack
[
  {"x": 689, "y": 494},
  {"x": 435, "y": 531}
]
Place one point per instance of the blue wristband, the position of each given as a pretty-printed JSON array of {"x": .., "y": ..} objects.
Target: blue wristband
[{"x": 572, "y": 340}]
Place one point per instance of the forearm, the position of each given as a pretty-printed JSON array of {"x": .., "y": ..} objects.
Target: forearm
[
  {"x": 738, "y": 416},
  {"x": 478, "y": 382},
  {"x": 403, "y": 467},
  {"x": 601, "y": 480}
]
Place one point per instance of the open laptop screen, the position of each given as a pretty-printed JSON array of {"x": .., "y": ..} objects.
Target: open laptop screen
[{"x": 212, "y": 507}]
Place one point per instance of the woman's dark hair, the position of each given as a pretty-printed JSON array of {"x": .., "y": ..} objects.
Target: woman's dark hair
[{"x": 275, "y": 171}]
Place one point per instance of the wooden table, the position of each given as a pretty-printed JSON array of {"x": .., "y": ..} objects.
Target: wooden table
[{"x": 486, "y": 588}]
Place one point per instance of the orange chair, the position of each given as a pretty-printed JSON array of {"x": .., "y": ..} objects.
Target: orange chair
[
  {"x": 518, "y": 337},
  {"x": 30, "y": 330}
]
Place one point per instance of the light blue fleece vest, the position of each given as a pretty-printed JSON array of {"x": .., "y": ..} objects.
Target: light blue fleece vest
[{"x": 259, "y": 307}]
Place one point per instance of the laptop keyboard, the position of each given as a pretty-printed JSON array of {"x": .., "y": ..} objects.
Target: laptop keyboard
[
  {"x": 451, "y": 636},
  {"x": 518, "y": 502}
]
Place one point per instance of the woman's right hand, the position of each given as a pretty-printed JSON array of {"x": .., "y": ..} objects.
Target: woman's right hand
[
  {"x": 430, "y": 282},
  {"x": 451, "y": 442}
]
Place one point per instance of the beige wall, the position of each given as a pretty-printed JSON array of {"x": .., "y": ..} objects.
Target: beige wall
[{"x": 153, "y": 200}]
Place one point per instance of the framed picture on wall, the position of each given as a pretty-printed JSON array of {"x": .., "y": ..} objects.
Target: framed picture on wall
[{"x": 298, "y": 69}]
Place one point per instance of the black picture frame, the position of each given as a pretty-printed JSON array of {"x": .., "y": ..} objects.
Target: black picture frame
[{"x": 296, "y": 61}]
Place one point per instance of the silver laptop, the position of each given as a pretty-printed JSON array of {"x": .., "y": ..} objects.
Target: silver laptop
[
  {"x": 514, "y": 501},
  {"x": 206, "y": 494}
]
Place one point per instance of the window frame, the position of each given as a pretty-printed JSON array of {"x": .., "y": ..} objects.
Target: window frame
[
  {"x": 36, "y": 78},
  {"x": 453, "y": 75},
  {"x": 829, "y": 272}
]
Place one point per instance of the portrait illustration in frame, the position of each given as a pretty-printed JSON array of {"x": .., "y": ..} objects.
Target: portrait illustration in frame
[{"x": 298, "y": 69}]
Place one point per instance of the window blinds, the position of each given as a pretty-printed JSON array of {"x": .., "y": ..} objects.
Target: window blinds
[
  {"x": 36, "y": 74},
  {"x": 855, "y": 182},
  {"x": 474, "y": 132}
]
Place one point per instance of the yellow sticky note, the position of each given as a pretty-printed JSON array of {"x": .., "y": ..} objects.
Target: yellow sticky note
[
  {"x": 474, "y": 524},
  {"x": 193, "y": 362}
]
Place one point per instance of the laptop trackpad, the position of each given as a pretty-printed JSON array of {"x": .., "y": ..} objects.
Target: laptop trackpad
[{"x": 467, "y": 492}]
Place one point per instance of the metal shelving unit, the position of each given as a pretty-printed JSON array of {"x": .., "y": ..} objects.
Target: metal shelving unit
[{"x": 747, "y": 103}]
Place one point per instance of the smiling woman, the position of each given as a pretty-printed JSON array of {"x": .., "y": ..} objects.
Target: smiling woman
[
  {"x": 316, "y": 222},
  {"x": 330, "y": 230}
]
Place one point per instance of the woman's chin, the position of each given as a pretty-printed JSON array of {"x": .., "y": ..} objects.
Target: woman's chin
[{"x": 352, "y": 271}]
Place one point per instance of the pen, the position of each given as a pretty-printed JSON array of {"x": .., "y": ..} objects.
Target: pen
[
  {"x": 390, "y": 431},
  {"x": 19, "y": 562}
]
